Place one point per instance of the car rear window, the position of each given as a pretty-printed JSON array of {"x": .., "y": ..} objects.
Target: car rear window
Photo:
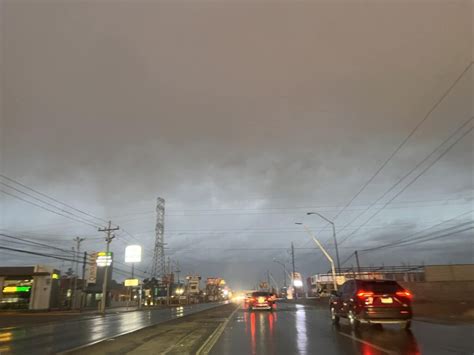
[
  {"x": 381, "y": 286},
  {"x": 260, "y": 294}
]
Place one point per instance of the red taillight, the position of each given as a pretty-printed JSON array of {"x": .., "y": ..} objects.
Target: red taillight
[
  {"x": 404, "y": 293},
  {"x": 364, "y": 294}
]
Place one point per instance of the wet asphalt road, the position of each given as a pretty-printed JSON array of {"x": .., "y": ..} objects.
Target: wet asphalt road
[
  {"x": 299, "y": 329},
  {"x": 65, "y": 335}
]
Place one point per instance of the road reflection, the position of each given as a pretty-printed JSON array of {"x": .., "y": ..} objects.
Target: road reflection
[
  {"x": 369, "y": 340},
  {"x": 301, "y": 336},
  {"x": 260, "y": 328},
  {"x": 5, "y": 337}
]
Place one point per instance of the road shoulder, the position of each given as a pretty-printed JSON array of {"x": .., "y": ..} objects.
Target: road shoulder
[{"x": 184, "y": 335}]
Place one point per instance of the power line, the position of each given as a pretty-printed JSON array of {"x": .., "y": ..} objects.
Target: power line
[
  {"x": 413, "y": 180},
  {"x": 47, "y": 209},
  {"x": 35, "y": 243},
  {"x": 51, "y": 198},
  {"x": 459, "y": 129},
  {"x": 422, "y": 231},
  {"x": 45, "y": 202},
  {"x": 404, "y": 241},
  {"x": 407, "y": 138},
  {"x": 419, "y": 241}
]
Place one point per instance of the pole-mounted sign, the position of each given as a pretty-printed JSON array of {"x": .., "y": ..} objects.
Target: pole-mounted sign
[
  {"x": 104, "y": 258},
  {"x": 133, "y": 254}
]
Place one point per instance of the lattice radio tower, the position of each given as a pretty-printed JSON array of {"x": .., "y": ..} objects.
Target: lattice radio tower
[{"x": 158, "y": 268}]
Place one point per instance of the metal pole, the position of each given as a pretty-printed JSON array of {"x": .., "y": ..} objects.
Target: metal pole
[
  {"x": 275, "y": 283},
  {"x": 336, "y": 247},
  {"x": 285, "y": 272},
  {"x": 76, "y": 259},
  {"x": 331, "y": 261},
  {"x": 106, "y": 277},
  {"x": 294, "y": 270},
  {"x": 84, "y": 283},
  {"x": 333, "y": 236},
  {"x": 356, "y": 253},
  {"x": 108, "y": 239},
  {"x": 268, "y": 279}
]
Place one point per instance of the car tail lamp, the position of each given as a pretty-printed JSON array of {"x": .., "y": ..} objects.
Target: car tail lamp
[
  {"x": 404, "y": 293},
  {"x": 364, "y": 294}
]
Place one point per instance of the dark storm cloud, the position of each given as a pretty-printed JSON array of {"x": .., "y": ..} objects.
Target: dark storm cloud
[{"x": 232, "y": 105}]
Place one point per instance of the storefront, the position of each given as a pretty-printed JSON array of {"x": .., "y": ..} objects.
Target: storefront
[{"x": 29, "y": 287}]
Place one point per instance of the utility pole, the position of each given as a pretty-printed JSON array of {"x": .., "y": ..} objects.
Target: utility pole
[
  {"x": 177, "y": 271},
  {"x": 76, "y": 259},
  {"x": 293, "y": 260},
  {"x": 356, "y": 253},
  {"x": 70, "y": 273},
  {"x": 168, "y": 296},
  {"x": 84, "y": 282},
  {"x": 108, "y": 240},
  {"x": 294, "y": 270}
]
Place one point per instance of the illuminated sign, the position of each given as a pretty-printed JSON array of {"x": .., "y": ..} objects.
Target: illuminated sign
[
  {"x": 133, "y": 254},
  {"x": 104, "y": 258},
  {"x": 131, "y": 282},
  {"x": 104, "y": 253},
  {"x": 92, "y": 269},
  {"x": 15, "y": 289}
]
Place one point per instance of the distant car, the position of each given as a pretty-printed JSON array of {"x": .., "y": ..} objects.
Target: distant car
[
  {"x": 247, "y": 297},
  {"x": 372, "y": 302},
  {"x": 261, "y": 300}
]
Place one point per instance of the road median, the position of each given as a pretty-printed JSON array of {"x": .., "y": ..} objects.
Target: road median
[{"x": 185, "y": 335}]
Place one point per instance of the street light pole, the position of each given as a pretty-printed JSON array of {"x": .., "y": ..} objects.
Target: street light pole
[
  {"x": 285, "y": 273},
  {"x": 76, "y": 258},
  {"x": 333, "y": 236},
  {"x": 326, "y": 254}
]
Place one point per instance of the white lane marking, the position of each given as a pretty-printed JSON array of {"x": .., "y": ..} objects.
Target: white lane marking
[
  {"x": 367, "y": 343},
  {"x": 207, "y": 346}
]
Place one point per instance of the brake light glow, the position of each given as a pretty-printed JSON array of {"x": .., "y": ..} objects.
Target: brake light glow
[
  {"x": 404, "y": 294},
  {"x": 364, "y": 294}
]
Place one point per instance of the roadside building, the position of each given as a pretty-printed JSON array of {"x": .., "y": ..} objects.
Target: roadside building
[
  {"x": 29, "y": 287},
  {"x": 422, "y": 279}
]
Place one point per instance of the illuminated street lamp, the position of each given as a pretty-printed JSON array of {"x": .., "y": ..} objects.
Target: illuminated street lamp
[{"x": 326, "y": 254}]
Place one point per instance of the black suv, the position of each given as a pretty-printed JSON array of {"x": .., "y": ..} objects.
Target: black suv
[{"x": 373, "y": 302}]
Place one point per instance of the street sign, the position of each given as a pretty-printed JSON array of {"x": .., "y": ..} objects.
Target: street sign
[
  {"x": 104, "y": 259},
  {"x": 133, "y": 254},
  {"x": 131, "y": 282}
]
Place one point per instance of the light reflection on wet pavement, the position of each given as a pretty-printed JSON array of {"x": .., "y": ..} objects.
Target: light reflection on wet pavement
[
  {"x": 64, "y": 335},
  {"x": 299, "y": 329}
]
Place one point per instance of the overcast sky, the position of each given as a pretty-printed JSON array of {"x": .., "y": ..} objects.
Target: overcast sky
[{"x": 243, "y": 115}]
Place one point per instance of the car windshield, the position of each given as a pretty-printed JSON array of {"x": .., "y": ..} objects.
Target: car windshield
[{"x": 381, "y": 286}]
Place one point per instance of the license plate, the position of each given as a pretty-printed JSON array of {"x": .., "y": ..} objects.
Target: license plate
[{"x": 386, "y": 300}]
